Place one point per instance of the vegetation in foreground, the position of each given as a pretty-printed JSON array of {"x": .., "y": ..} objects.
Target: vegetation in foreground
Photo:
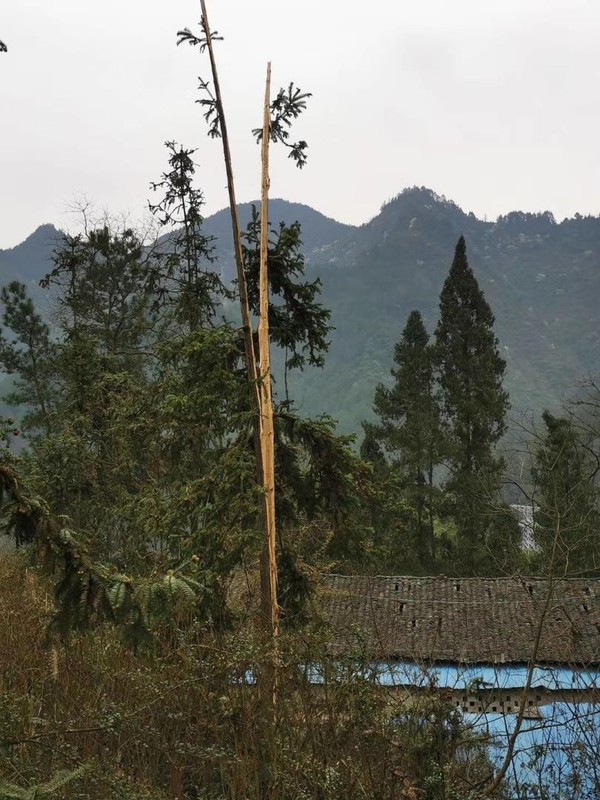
[
  {"x": 187, "y": 721},
  {"x": 138, "y": 497}
]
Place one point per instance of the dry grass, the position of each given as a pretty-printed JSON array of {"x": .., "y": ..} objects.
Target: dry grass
[{"x": 183, "y": 723}]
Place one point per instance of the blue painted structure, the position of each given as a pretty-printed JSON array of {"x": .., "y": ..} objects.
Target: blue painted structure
[
  {"x": 555, "y": 756},
  {"x": 557, "y": 749},
  {"x": 483, "y": 676}
]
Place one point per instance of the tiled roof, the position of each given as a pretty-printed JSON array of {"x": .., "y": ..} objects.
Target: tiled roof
[{"x": 463, "y": 620}]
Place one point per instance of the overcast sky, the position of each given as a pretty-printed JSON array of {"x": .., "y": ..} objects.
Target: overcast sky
[{"x": 494, "y": 104}]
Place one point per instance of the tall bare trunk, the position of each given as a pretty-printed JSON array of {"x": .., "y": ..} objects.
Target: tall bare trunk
[
  {"x": 261, "y": 383},
  {"x": 235, "y": 223},
  {"x": 269, "y": 594}
]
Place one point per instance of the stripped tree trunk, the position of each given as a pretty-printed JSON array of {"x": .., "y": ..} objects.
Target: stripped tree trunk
[
  {"x": 235, "y": 223},
  {"x": 269, "y": 589},
  {"x": 261, "y": 383}
]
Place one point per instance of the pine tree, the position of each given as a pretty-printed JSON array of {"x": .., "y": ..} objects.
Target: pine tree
[
  {"x": 371, "y": 450},
  {"x": 298, "y": 322},
  {"x": 566, "y": 519},
  {"x": 98, "y": 293},
  {"x": 474, "y": 403},
  {"x": 180, "y": 272},
  {"x": 28, "y": 354},
  {"x": 409, "y": 430}
]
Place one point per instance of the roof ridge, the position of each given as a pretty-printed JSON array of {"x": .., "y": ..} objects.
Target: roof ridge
[{"x": 517, "y": 577}]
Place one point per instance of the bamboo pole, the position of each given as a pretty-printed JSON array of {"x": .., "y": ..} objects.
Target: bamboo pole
[
  {"x": 235, "y": 223},
  {"x": 271, "y": 608},
  {"x": 270, "y": 611}
]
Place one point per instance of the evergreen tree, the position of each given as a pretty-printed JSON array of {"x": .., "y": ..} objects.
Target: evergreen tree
[
  {"x": 97, "y": 276},
  {"x": 151, "y": 449},
  {"x": 566, "y": 518},
  {"x": 409, "y": 430},
  {"x": 180, "y": 274},
  {"x": 474, "y": 404},
  {"x": 371, "y": 450},
  {"x": 29, "y": 354},
  {"x": 298, "y": 322}
]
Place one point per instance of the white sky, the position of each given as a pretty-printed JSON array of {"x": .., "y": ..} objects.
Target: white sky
[{"x": 494, "y": 104}]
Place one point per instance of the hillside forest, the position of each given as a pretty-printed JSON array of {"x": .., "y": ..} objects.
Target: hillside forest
[{"x": 136, "y": 661}]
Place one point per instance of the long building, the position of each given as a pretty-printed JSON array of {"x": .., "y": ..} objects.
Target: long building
[{"x": 505, "y": 651}]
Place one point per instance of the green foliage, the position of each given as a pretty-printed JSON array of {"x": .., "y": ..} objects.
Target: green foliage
[
  {"x": 474, "y": 404},
  {"x": 432, "y": 449},
  {"x": 298, "y": 322},
  {"x": 410, "y": 430},
  {"x": 178, "y": 274},
  {"x": 87, "y": 592},
  {"x": 49, "y": 789},
  {"x": 150, "y": 461},
  {"x": 208, "y": 100},
  {"x": 320, "y": 474},
  {"x": 29, "y": 355},
  {"x": 471, "y": 369},
  {"x": 370, "y": 449},
  {"x": 99, "y": 297},
  {"x": 566, "y": 496},
  {"x": 285, "y": 108}
]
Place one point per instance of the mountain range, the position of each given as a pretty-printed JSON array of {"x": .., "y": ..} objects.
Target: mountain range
[{"x": 541, "y": 278}]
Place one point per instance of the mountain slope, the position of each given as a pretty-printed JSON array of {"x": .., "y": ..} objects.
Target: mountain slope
[
  {"x": 319, "y": 233},
  {"x": 541, "y": 278},
  {"x": 30, "y": 260},
  {"x": 27, "y": 263}
]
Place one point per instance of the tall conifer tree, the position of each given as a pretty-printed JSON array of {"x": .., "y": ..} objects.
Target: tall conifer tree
[
  {"x": 28, "y": 353},
  {"x": 471, "y": 371},
  {"x": 566, "y": 518},
  {"x": 410, "y": 427}
]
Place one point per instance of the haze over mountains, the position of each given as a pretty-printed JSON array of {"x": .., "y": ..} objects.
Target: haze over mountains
[{"x": 541, "y": 278}]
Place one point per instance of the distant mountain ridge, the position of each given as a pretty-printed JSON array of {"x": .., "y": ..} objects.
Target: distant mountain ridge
[
  {"x": 319, "y": 233},
  {"x": 541, "y": 278},
  {"x": 30, "y": 260}
]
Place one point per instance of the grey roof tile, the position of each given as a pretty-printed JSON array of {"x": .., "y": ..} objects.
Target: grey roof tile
[{"x": 466, "y": 620}]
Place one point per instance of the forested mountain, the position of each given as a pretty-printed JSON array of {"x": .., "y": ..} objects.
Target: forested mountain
[
  {"x": 30, "y": 260},
  {"x": 541, "y": 279},
  {"x": 319, "y": 233}
]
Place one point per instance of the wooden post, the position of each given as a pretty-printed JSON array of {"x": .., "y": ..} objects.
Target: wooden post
[{"x": 270, "y": 606}]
